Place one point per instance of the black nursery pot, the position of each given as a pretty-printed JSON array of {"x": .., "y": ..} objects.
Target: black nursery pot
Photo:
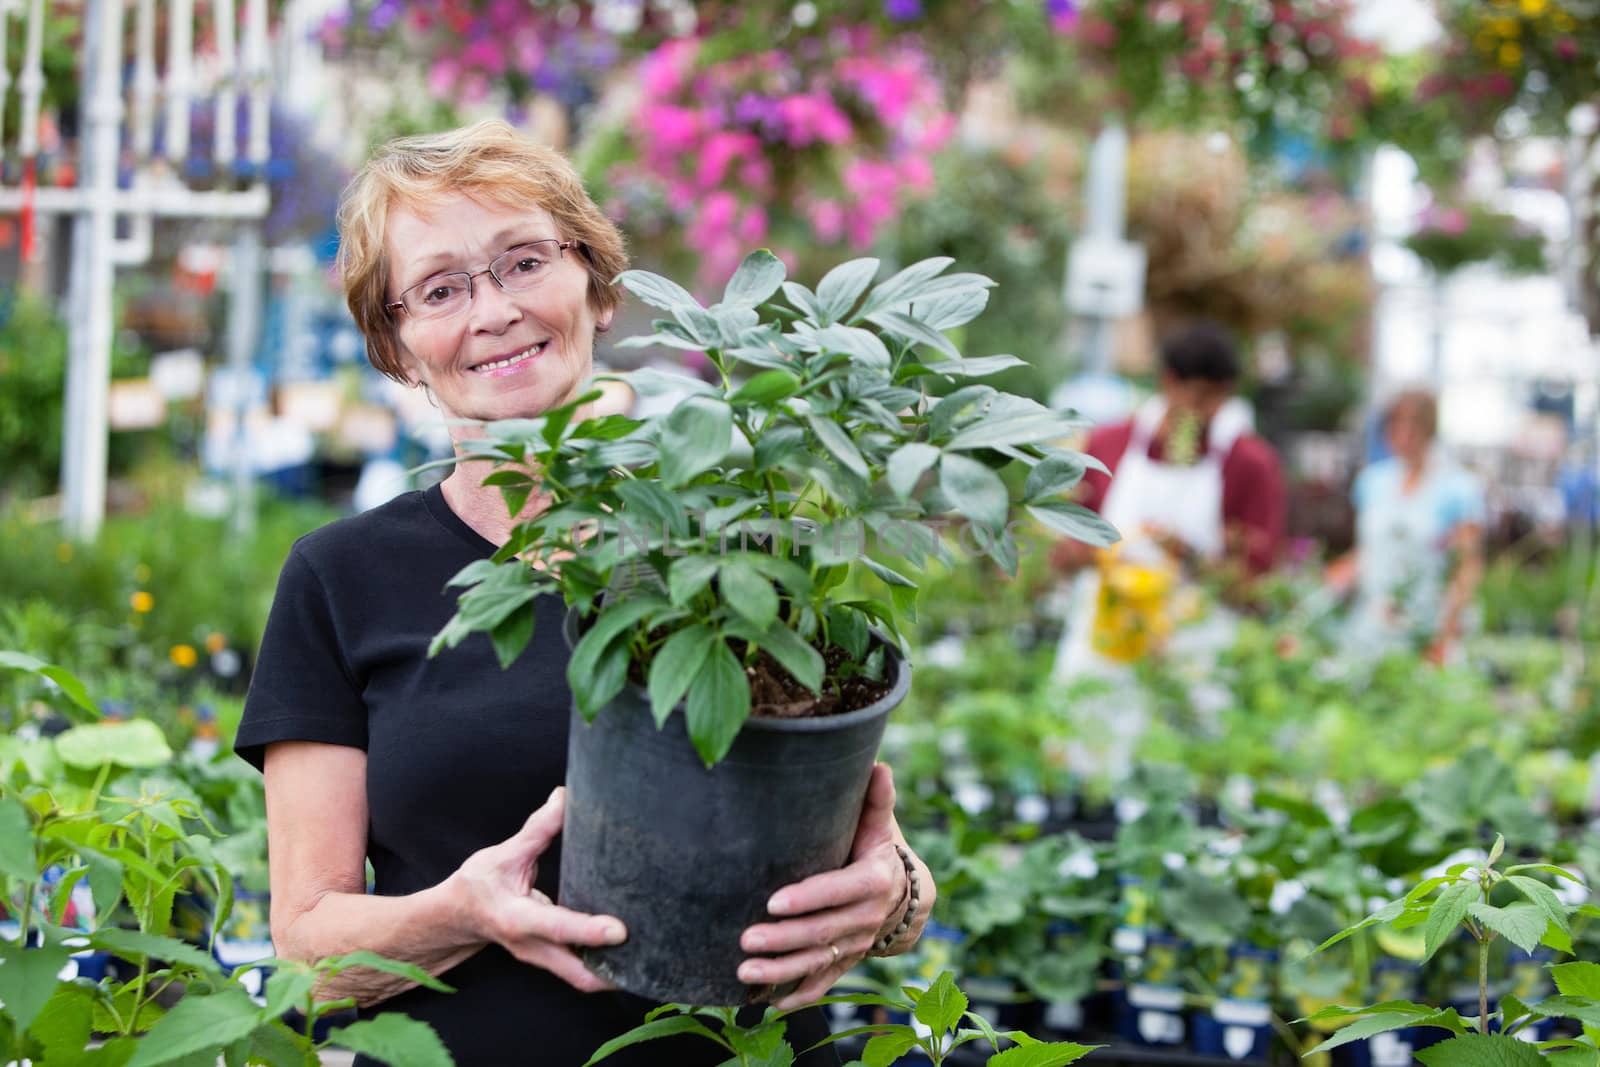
[{"x": 687, "y": 856}]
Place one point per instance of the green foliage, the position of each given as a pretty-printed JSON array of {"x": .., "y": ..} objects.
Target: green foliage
[
  {"x": 941, "y": 1008},
  {"x": 822, "y": 431}
]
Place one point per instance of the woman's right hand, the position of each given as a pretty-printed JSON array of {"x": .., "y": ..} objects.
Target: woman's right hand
[{"x": 495, "y": 896}]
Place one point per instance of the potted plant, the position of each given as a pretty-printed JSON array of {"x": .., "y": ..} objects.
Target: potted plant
[{"x": 738, "y": 569}]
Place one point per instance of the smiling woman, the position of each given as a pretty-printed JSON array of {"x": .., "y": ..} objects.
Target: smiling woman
[{"x": 477, "y": 267}]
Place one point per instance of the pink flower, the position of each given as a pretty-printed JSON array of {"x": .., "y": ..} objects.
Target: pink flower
[
  {"x": 1567, "y": 48},
  {"x": 827, "y": 220},
  {"x": 442, "y": 76},
  {"x": 752, "y": 227},
  {"x": 675, "y": 129},
  {"x": 484, "y": 53}
]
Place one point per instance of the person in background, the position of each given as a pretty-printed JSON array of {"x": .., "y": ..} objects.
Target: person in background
[
  {"x": 1190, "y": 485},
  {"x": 1419, "y": 529}
]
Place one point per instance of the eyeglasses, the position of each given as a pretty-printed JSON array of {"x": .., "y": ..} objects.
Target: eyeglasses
[{"x": 513, "y": 270}]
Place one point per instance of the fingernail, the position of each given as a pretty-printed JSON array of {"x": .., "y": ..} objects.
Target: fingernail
[
  {"x": 750, "y": 972},
  {"x": 615, "y": 934},
  {"x": 755, "y": 942},
  {"x": 779, "y": 904}
]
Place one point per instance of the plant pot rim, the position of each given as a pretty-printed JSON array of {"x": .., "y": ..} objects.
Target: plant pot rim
[{"x": 810, "y": 724}]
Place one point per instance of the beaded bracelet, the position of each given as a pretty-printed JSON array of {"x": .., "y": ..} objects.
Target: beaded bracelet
[{"x": 884, "y": 943}]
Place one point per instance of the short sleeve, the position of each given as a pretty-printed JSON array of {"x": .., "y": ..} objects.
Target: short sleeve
[
  {"x": 1361, "y": 491},
  {"x": 1462, "y": 501},
  {"x": 302, "y": 688}
]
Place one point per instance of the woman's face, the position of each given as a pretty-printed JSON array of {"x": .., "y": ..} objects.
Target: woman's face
[
  {"x": 509, "y": 354},
  {"x": 1409, "y": 435}
]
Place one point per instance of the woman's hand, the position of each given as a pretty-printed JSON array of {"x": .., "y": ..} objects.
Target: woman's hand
[
  {"x": 496, "y": 899},
  {"x": 838, "y": 915}
]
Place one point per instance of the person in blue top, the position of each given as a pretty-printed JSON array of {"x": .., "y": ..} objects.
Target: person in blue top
[{"x": 1419, "y": 529}]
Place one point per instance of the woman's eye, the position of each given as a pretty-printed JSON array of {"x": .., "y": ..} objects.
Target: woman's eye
[
  {"x": 527, "y": 265},
  {"x": 439, "y": 294}
]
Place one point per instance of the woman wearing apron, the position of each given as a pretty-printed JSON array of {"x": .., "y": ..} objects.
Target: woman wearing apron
[{"x": 1192, "y": 489}]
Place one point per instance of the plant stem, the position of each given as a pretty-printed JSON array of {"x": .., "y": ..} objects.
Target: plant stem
[{"x": 1483, "y": 986}]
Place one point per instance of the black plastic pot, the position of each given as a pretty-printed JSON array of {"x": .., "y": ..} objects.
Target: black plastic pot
[{"x": 687, "y": 857}]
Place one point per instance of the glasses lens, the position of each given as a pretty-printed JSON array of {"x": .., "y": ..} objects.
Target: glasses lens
[
  {"x": 526, "y": 265},
  {"x": 444, "y": 295}
]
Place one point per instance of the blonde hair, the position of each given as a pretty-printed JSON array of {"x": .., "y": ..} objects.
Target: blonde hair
[
  {"x": 487, "y": 160},
  {"x": 1417, "y": 402}
]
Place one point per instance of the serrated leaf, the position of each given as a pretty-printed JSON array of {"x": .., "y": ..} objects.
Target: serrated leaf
[
  {"x": 1044, "y": 1054},
  {"x": 397, "y": 1040},
  {"x": 1445, "y": 915},
  {"x": 649, "y": 1031},
  {"x": 63, "y": 1025},
  {"x": 16, "y": 841},
  {"x": 758, "y": 277},
  {"x": 135, "y": 945},
  {"x": 288, "y": 988},
  {"x": 1542, "y": 897},
  {"x": 198, "y": 1024},
  {"x": 1365, "y": 1027},
  {"x": 399, "y": 968},
  {"x": 28, "y": 980},
  {"x": 941, "y": 1007},
  {"x": 718, "y": 704},
  {"x": 653, "y": 289},
  {"x": 675, "y": 665},
  {"x": 884, "y": 1050},
  {"x": 1481, "y": 1050},
  {"x": 974, "y": 490},
  {"x": 1577, "y": 979},
  {"x": 1521, "y": 924},
  {"x": 1388, "y": 913}
]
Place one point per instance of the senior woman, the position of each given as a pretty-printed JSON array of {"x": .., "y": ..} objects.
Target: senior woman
[{"x": 478, "y": 269}]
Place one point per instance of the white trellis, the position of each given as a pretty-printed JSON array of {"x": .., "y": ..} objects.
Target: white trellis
[{"x": 157, "y": 190}]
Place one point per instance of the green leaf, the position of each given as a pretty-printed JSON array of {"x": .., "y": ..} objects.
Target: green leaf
[
  {"x": 68, "y": 682},
  {"x": 864, "y": 347},
  {"x": 135, "y": 945},
  {"x": 805, "y": 300},
  {"x": 1445, "y": 915},
  {"x": 688, "y": 575},
  {"x": 63, "y": 1025},
  {"x": 757, "y": 278},
  {"x": 288, "y": 988},
  {"x": 1075, "y": 521},
  {"x": 652, "y": 512},
  {"x": 951, "y": 310},
  {"x": 16, "y": 841},
  {"x": 1015, "y": 430},
  {"x": 198, "y": 1023},
  {"x": 892, "y": 577},
  {"x": 656, "y": 1028},
  {"x": 903, "y": 325},
  {"x": 974, "y": 490},
  {"x": 903, "y": 287},
  {"x": 719, "y": 704},
  {"x": 795, "y": 655},
  {"x": 884, "y": 1050},
  {"x": 1521, "y": 924},
  {"x": 837, "y": 442},
  {"x": 134, "y": 743},
  {"x": 1052, "y": 475},
  {"x": 1481, "y": 1050},
  {"x": 675, "y": 665},
  {"x": 980, "y": 367},
  {"x": 1578, "y": 979},
  {"x": 694, "y": 438},
  {"x": 653, "y": 289},
  {"x": 372, "y": 961},
  {"x": 28, "y": 979},
  {"x": 1387, "y": 913},
  {"x": 1582, "y": 1009},
  {"x": 615, "y": 619},
  {"x": 1364, "y": 1027},
  {"x": 1575, "y": 1056},
  {"x": 1546, "y": 868},
  {"x": 511, "y": 635},
  {"x": 1497, "y": 849},
  {"x": 397, "y": 1040},
  {"x": 1542, "y": 897},
  {"x": 1044, "y": 1054},
  {"x": 942, "y": 1006},
  {"x": 105, "y": 878},
  {"x": 842, "y": 286},
  {"x": 748, "y": 592},
  {"x": 768, "y": 387},
  {"x": 907, "y": 464}
]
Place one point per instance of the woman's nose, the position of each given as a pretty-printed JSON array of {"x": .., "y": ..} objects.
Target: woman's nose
[{"x": 493, "y": 309}]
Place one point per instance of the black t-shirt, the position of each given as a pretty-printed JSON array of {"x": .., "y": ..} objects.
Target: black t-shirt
[{"x": 459, "y": 752}]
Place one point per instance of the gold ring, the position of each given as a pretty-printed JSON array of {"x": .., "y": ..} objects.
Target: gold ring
[{"x": 835, "y": 949}]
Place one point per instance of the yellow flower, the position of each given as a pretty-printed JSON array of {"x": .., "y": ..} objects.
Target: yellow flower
[
  {"x": 141, "y": 573},
  {"x": 1507, "y": 27},
  {"x": 1563, "y": 21},
  {"x": 184, "y": 656},
  {"x": 1510, "y": 55},
  {"x": 1485, "y": 42},
  {"x": 64, "y": 552},
  {"x": 142, "y": 601},
  {"x": 1533, "y": 8},
  {"x": 215, "y": 642}
]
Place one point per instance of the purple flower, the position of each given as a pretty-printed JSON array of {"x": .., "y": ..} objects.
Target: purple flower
[{"x": 903, "y": 10}]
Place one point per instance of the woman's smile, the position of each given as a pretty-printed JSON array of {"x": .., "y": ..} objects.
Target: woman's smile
[{"x": 501, "y": 366}]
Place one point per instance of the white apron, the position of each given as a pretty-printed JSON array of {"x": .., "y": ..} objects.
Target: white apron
[{"x": 1145, "y": 496}]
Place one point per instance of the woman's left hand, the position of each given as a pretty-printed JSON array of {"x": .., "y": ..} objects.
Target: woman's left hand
[{"x": 837, "y": 916}]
